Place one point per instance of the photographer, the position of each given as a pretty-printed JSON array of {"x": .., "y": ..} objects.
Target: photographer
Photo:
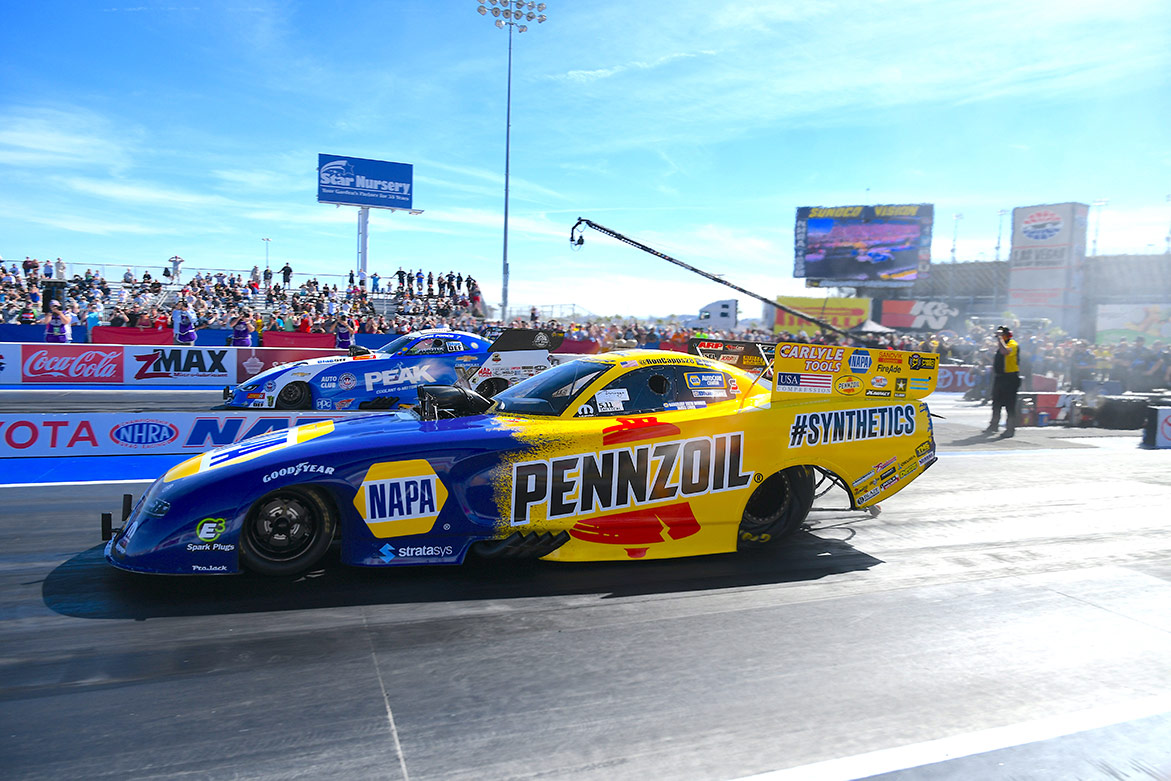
[
  {"x": 57, "y": 324},
  {"x": 1006, "y": 381},
  {"x": 242, "y": 327}
]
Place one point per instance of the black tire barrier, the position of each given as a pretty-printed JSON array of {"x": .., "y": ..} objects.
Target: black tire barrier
[{"x": 1121, "y": 412}]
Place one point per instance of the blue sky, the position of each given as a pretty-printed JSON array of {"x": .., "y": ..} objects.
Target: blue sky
[{"x": 133, "y": 131}]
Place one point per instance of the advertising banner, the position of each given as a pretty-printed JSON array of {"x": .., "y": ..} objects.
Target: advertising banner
[
  {"x": 141, "y": 365},
  {"x": 251, "y": 361},
  {"x": 1047, "y": 263},
  {"x": 844, "y": 313},
  {"x": 71, "y": 363},
  {"x": 890, "y": 242},
  {"x": 106, "y": 334},
  {"x": 122, "y": 433},
  {"x": 917, "y": 315},
  {"x": 179, "y": 365},
  {"x": 297, "y": 339},
  {"x": 355, "y": 181},
  {"x": 1150, "y": 321},
  {"x": 959, "y": 379}
]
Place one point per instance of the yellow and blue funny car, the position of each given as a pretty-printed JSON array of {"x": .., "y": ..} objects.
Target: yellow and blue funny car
[{"x": 637, "y": 454}]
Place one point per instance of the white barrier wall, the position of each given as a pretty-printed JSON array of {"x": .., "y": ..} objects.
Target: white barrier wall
[{"x": 122, "y": 433}]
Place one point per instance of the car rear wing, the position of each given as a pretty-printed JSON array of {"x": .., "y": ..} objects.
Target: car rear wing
[
  {"x": 812, "y": 370},
  {"x": 512, "y": 339},
  {"x": 756, "y": 358},
  {"x": 852, "y": 372}
]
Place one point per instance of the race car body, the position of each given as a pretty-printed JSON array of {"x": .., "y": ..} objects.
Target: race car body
[
  {"x": 628, "y": 455},
  {"x": 388, "y": 377}
]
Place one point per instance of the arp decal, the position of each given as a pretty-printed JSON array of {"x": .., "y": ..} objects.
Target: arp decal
[
  {"x": 591, "y": 483},
  {"x": 400, "y": 498}
]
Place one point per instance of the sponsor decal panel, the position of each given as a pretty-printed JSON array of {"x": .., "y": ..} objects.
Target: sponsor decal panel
[
  {"x": 178, "y": 363},
  {"x": 586, "y": 484},
  {"x": 877, "y": 394},
  {"x": 804, "y": 383},
  {"x": 295, "y": 470},
  {"x": 400, "y": 498},
  {"x": 892, "y": 357},
  {"x": 848, "y": 386},
  {"x": 810, "y": 429},
  {"x": 919, "y": 361},
  {"x": 144, "y": 433},
  {"x": 390, "y": 378},
  {"x": 859, "y": 361}
]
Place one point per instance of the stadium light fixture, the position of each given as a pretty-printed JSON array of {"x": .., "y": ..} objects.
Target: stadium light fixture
[
  {"x": 1100, "y": 204},
  {"x": 514, "y": 11},
  {"x": 999, "y": 231}
]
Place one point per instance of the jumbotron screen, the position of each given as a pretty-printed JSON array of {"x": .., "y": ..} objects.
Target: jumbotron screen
[{"x": 863, "y": 243}]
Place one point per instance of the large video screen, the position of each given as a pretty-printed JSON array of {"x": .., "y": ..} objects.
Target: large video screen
[{"x": 890, "y": 242}]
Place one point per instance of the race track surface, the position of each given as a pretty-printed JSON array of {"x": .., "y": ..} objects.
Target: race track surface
[{"x": 1008, "y": 615}]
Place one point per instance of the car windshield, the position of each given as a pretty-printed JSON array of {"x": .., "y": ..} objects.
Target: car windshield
[
  {"x": 550, "y": 392},
  {"x": 394, "y": 345}
]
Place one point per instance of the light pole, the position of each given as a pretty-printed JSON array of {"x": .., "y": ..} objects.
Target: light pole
[
  {"x": 509, "y": 13},
  {"x": 955, "y": 234},
  {"x": 999, "y": 231},
  {"x": 266, "y": 242},
  {"x": 1168, "y": 199},
  {"x": 1100, "y": 203}
]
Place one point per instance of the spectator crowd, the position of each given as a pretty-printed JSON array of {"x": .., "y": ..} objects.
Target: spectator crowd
[{"x": 416, "y": 300}]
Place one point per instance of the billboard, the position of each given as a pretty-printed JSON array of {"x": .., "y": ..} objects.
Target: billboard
[
  {"x": 1047, "y": 263},
  {"x": 844, "y": 313},
  {"x": 1130, "y": 321},
  {"x": 355, "y": 181},
  {"x": 890, "y": 243}
]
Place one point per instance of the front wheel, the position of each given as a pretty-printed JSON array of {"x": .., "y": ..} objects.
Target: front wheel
[
  {"x": 295, "y": 395},
  {"x": 777, "y": 507},
  {"x": 286, "y": 532}
]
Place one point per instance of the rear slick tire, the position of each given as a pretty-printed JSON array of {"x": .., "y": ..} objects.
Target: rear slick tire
[{"x": 777, "y": 507}]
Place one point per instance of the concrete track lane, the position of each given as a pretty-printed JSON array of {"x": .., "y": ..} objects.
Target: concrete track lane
[{"x": 1015, "y": 582}]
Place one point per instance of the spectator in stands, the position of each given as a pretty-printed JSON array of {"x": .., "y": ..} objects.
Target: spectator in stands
[
  {"x": 287, "y": 273},
  {"x": 183, "y": 324},
  {"x": 374, "y": 280},
  {"x": 58, "y": 324},
  {"x": 118, "y": 318},
  {"x": 242, "y": 327},
  {"x": 60, "y": 268}
]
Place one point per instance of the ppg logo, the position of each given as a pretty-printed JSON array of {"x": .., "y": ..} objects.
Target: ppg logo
[{"x": 860, "y": 362}]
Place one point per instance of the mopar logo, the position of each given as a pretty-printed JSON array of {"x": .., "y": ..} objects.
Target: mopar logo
[
  {"x": 860, "y": 362},
  {"x": 144, "y": 433}
]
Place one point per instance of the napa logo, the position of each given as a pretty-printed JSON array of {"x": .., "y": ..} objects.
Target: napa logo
[
  {"x": 860, "y": 362},
  {"x": 1041, "y": 225},
  {"x": 144, "y": 433},
  {"x": 400, "y": 498}
]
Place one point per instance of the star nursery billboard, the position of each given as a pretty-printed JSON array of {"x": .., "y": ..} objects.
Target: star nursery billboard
[
  {"x": 886, "y": 244},
  {"x": 354, "y": 181}
]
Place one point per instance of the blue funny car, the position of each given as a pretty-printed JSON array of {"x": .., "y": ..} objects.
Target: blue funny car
[{"x": 389, "y": 376}]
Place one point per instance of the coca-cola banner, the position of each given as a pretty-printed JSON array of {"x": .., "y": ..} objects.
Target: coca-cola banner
[
  {"x": 137, "y": 433},
  {"x": 71, "y": 363}
]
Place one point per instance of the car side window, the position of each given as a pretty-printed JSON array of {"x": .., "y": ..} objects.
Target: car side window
[
  {"x": 648, "y": 389},
  {"x": 428, "y": 345}
]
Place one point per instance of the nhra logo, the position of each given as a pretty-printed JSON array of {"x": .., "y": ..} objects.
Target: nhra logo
[
  {"x": 400, "y": 498},
  {"x": 860, "y": 362},
  {"x": 1041, "y": 225},
  {"x": 181, "y": 363},
  {"x": 144, "y": 433}
]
